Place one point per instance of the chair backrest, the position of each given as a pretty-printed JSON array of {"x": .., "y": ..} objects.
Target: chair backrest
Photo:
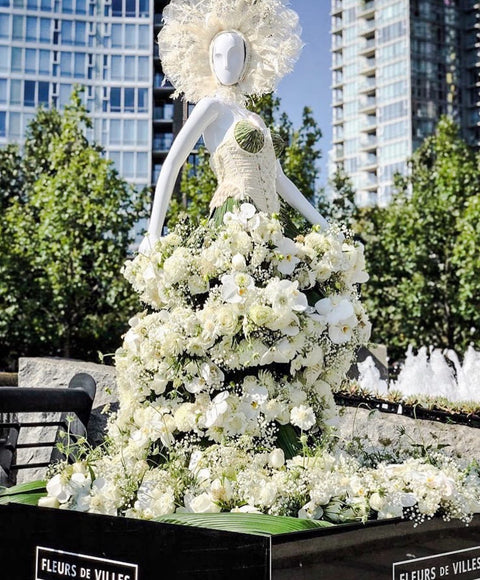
[{"x": 33, "y": 421}]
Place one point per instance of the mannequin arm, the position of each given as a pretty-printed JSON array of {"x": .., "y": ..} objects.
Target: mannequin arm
[
  {"x": 202, "y": 115},
  {"x": 293, "y": 196}
]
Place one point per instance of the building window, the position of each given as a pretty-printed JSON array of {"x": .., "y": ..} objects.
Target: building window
[
  {"x": 144, "y": 8},
  {"x": 4, "y": 26},
  {"x": 3, "y": 116},
  {"x": 130, "y": 36},
  {"x": 129, "y": 104},
  {"x": 142, "y": 100},
  {"x": 65, "y": 64},
  {"x": 130, "y": 68},
  {"x": 67, "y": 32},
  {"x": 79, "y": 65},
  {"x": 45, "y": 28},
  {"x": 15, "y": 125},
  {"x": 3, "y": 91},
  {"x": 130, "y": 8},
  {"x": 32, "y": 25},
  {"x": 144, "y": 37},
  {"x": 142, "y": 132},
  {"x": 29, "y": 94},
  {"x": 15, "y": 92},
  {"x": 142, "y": 165},
  {"x": 80, "y": 33},
  {"x": 4, "y": 59},
  {"x": 115, "y": 99},
  {"x": 117, "y": 7},
  {"x": 17, "y": 59},
  {"x": 30, "y": 60},
  {"x": 117, "y": 36},
  {"x": 44, "y": 62},
  {"x": 42, "y": 93},
  {"x": 65, "y": 92},
  {"x": 18, "y": 33},
  {"x": 67, "y": 6}
]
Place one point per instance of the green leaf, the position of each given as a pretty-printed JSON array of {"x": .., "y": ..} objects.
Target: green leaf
[
  {"x": 288, "y": 441},
  {"x": 259, "y": 524},
  {"x": 25, "y": 493},
  {"x": 22, "y": 488},
  {"x": 23, "y": 498}
]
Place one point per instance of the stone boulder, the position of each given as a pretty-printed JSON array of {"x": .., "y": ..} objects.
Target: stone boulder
[{"x": 57, "y": 372}]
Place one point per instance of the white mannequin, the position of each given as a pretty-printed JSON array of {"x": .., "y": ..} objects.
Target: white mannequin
[{"x": 212, "y": 117}]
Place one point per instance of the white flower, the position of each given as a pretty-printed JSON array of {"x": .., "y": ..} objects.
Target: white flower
[
  {"x": 217, "y": 408},
  {"x": 302, "y": 417},
  {"x": 235, "y": 287},
  {"x": 201, "y": 504},
  {"x": 342, "y": 332},
  {"x": 209, "y": 374},
  {"x": 226, "y": 319},
  {"x": 286, "y": 258},
  {"x": 245, "y": 212},
  {"x": 335, "y": 308},
  {"x": 238, "y": 263},
  {"x": 276, "y": 458},
  {"x": 284, "y": 295}
]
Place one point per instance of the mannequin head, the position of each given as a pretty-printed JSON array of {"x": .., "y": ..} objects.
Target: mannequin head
[{"x": 228, "y": 57}]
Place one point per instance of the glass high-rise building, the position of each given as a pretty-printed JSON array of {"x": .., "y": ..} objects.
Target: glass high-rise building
[
  {"x": 397, "y": 66},
  {"x": 47, "y": 46}
]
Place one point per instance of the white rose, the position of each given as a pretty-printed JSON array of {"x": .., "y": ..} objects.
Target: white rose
[
  {"x": 238, "y": 263},
  {"x": 276, "y": 458},
  {"x": 202, "y": 504}
]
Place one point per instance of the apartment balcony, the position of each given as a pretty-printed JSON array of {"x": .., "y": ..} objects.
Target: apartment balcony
[
  {"x": 160, "y": 83},
  {"x": 163, "y": 114},
  {"x": 369, "y": 122},
  {"x": 337, "y": 114},
  {"x": 368, "y": 65},
  {"x": 368, "y": 8},
  {"x": 369, "y": 160},
  {"x": 367, "y": 47},
  {"x": 337, "y": 41},
  {"x": 337, "y": 6},
  {"x": 368, "y": 141},
  {"x": 337, "y": 61},
  {"x": 367, "y": 26},
  {"x": 337, "y": 79},
  {"x": 368, "y": 103},
  {"x": 368, "y": 85},
  {"x": 337, "y": 24},
  {"x": 162, "y": 143},
  {"x": 369, "y": 181}
]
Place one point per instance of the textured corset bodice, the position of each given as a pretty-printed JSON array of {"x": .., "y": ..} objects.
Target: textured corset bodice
[{"x": 243, "y": 175}]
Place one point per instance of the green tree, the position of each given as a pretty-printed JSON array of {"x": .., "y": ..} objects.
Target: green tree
[
  {"x": 420, "y": 250},
  {"x": 65, "y": 234},
  {"x": 299, "y": 161}
]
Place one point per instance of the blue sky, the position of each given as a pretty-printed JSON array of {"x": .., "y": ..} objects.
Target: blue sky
[{"x": 309, "y": 84}]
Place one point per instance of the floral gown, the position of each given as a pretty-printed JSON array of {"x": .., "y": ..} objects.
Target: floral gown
[{"x": 232, "y": 363}]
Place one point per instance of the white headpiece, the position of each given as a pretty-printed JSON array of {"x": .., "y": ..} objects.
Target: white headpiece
[{"x": 271, "y": 32}]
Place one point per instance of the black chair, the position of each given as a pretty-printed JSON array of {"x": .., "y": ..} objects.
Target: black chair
[{"x": 65, "y": 410}]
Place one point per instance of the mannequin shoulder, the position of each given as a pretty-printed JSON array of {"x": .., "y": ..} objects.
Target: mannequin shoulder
[{"x": 208, "y": 105}]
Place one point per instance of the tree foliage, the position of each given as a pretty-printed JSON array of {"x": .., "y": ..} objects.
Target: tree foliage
[
  {"x": 66, "y": 229},
  {"x": 422, "y": 253},
  {"x": 299, "y": 161}
]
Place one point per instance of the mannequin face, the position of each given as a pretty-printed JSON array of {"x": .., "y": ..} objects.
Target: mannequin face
[{"x": 228, "y": 57}]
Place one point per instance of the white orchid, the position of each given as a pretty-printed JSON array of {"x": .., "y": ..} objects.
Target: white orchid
[{"x": 235, "y": 287}]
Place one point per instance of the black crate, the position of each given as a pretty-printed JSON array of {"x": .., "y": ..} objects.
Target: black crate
[{"x": 48, "y": 544}]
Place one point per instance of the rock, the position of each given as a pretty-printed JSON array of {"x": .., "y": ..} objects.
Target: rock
[
  {"x": 383, "y": 429},
  {"x": 57, "y": 372}
]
